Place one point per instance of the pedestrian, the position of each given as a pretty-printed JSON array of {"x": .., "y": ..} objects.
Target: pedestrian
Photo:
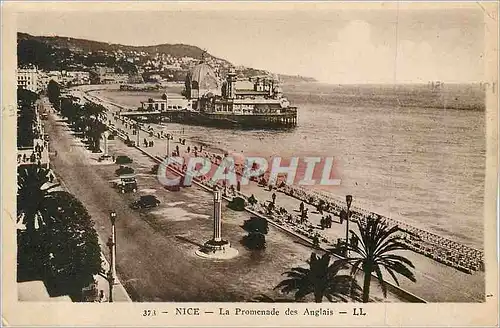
[
  {"x": 274, "y": 198},
  {"x": 188, "y": 149},
  {"x": 301, "y": 207},
  {"x": 101, "y": 296}
]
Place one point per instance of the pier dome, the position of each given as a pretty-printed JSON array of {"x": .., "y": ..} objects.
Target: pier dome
[{"x": 202, "y": 80}]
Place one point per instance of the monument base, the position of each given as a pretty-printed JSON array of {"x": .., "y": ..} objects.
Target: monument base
[{"x": 220, "y": 250}]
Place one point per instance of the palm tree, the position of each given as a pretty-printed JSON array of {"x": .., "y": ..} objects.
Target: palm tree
[
  {"x": 321, "y": 279},
  {"x": 33, "y": 191},
  {"x": 374, "y": 250}
]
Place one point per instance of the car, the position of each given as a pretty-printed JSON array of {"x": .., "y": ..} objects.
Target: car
[
  {"x": 105, "y": 158},
  {"x": 127, "y": 183},
  {"x": 146, "y": 201},
  {"x": 124, "y": 170},
  {"x": 123, "y": 159}
]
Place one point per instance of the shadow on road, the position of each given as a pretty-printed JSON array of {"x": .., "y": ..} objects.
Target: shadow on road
[{"x": 189, "y": 241}]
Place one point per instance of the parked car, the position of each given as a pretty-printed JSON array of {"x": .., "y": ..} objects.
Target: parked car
[
  {"x": 122, "y": 170},
  {"x": 122, "y": 159},
  {"x": 146, "y": 201},
  {"x": 104, "y": 158},
  {"x": 127, "y": 183}
]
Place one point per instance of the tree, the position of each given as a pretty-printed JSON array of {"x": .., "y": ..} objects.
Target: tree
[
  {"x": 33, "y": 192},
  {"x": 54, "y": 93},
  {"x": 26, "y": 97},
  {"x": 26, "y": 126},
  {"x": 257, "y": 229},
  {"x": 92, "y": 116},
  {"x": 70, "y": 110},
  {"x": 374, "y": 250},
  {"x": 321, "y": 279},
  {"x": 72, "y": 245}
]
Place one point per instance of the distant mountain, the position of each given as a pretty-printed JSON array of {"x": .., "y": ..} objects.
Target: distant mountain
[{"x": 295, "y": 78}]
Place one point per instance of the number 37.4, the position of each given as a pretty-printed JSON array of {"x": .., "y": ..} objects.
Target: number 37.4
[{"x": 149, "y": 313}]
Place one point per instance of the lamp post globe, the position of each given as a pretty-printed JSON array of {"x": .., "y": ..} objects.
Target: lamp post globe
[
  {"x": 112, "y": 216},
  {"x": 348, "y": 200}
]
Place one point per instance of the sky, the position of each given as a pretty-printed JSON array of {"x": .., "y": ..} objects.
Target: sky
[{"x": 337, "y": 45}]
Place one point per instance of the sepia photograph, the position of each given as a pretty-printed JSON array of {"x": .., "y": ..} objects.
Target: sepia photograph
[{"x": 245, "y": 156}]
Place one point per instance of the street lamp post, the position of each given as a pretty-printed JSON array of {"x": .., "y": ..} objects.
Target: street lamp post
[
  {"x": 137, "y": 129},
  {"x": 106, "y": 135},
  {"x": 112, "y": 249},
  {"x": 348, "y": 200},
  {"x": 169, "y": 137}
]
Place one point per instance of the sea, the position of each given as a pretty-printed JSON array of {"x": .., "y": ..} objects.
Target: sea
[{"x": 415, "y": 153}]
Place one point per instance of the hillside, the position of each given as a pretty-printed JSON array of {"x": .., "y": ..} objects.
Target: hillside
[
  {"x": 89, "y": 46},
  {"x": 65, "y": 53}
]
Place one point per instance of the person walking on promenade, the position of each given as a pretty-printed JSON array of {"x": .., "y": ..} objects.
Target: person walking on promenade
[
  {"x": 322, "y": 223},
  {"x": 301, "y": 207},
  {"x": 188, "y": 149},
  {"x": 274, "y": 198},
  {"x": 101, "y": 296},
  {"x": 315, "y": 241}
]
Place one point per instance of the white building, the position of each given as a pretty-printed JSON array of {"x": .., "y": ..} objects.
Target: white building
[{"x": 27, "y": 78}]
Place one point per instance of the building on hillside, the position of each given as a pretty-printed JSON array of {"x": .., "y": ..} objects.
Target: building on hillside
[
  {"x": 27, "y": 78},
  {"x": 77, "y": 78}
]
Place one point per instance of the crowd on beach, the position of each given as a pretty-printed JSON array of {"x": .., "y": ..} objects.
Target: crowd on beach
[{"x": 433, "y": 246}]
